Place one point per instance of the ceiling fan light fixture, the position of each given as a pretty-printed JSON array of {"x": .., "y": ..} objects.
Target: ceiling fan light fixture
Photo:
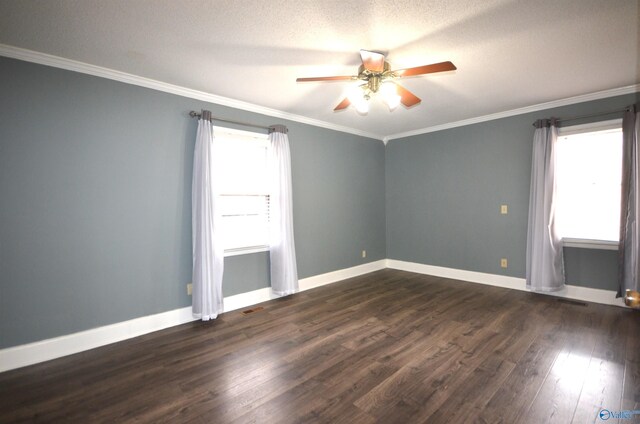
[
  {"x": 362, "y": 106},
  {"x": 355, "y": 94},
  {"x": 359, "y": 97},
  {"x": 390, "y": 95},
  {"x": 393, "y": 102}
]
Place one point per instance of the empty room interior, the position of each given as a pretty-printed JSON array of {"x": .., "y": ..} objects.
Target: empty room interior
[{"x": 309, "y": 211}]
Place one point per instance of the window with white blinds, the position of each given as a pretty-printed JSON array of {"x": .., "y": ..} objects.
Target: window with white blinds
[{"x": 244, "y": 190}]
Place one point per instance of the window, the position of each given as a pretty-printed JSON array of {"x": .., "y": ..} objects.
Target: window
[
  {"x": 244, "y": 190},
  {"x": 589, "y": 174}
]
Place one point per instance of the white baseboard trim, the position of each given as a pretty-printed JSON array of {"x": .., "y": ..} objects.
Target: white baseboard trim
[
  {"x": 341, "y": 274},
  {"x": 607, "y": 297},
  {"x": 254, "y": 297},
  {"x": 45, "y": 350},
  {"x": 242, "y": 300}
]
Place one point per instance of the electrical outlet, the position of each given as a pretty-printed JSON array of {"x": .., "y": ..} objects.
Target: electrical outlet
[
  {"x": 503, "y": 262},
  {"x": 189, "y": 289},
  {"x": 364, "y": 253},
  {"x": 504, "y": 209}
]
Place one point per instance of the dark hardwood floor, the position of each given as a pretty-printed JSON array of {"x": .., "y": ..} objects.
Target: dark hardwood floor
[{"x": 387, "y": 347}]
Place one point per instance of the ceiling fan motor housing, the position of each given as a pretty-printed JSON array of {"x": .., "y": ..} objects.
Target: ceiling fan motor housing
[{"x": 374, "y": 79}]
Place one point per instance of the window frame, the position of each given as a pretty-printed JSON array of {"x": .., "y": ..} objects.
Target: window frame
[
  {"x": 260, "y": 138},
  {"x": 584, "y": 243}
]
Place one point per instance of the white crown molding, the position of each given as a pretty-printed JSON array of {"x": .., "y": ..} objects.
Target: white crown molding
[
  {"x": 45, "y": 350},
  {"x": 98, "y": 71},
  {"x": 85, "y": 68},
  {"x": 587, "y": 294},
  {"x": 629, "y": 89}
]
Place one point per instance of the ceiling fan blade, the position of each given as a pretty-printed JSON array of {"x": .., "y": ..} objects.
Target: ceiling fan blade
[
  {"x": 426, "y": 69},
  {"x": 341, "y": 78},
  {"x": 372, "y": 61},
  {"x": 407, "y": 97},
  {"x": 343, "y": 104}
]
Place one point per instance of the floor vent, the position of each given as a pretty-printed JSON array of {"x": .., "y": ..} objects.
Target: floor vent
[
  {"x": 572, "y": 302},
  {"x": 252, "y": 310}
]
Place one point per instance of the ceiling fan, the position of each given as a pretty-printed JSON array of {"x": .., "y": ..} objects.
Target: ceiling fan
[{"x": 377, "y": 76}]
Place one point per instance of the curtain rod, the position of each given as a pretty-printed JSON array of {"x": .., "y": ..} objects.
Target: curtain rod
[
  {"x": 573, "y": 118},
  {"x": 195, "y": 114}
]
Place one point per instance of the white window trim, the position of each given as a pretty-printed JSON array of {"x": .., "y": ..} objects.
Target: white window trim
[
  {"x": 245, "y": 250},
  {"x": 233, "y": 132},
  {"x": 261, "y": 139},
  {"x": 611, "y": 124},
  {"x": 590, "y": 244},
  {"x": 578, "y": 129}
]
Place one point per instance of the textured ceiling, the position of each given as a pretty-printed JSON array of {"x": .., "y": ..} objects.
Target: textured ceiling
[{"x": 509, "y": 54}]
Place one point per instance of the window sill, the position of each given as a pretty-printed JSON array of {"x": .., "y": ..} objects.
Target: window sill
[
  {"x": 245, "y": 250},
  {"x": 590, "y": 244}
]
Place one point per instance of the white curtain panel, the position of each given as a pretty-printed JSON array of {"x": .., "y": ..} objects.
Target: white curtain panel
[
  {"x": 284, "y": 272},
  {"x": 545, "y": 264},
  {"x": 629, "y": 272},
  {"x": 208, "y": 249}
]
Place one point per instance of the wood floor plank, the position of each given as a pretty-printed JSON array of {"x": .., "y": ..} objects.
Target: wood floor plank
[
  {"x": 631, "y": 390},
  {"x": 605, "y": 375},
  {"x": 467, "y": 400},
  {"x": 409, "y": 378},
  {"x": 338, "y": 393},
  {"x": 437, "y": 389},
  {"x": 386, "y": 347},
  {"x": 511, "y": 401},
  {"x": 557, "y": 398}
]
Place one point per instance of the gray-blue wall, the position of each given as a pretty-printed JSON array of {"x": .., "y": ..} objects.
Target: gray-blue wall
[
  {"x": 444, "y": 190},
  {"x": 95, "y": 202}
]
